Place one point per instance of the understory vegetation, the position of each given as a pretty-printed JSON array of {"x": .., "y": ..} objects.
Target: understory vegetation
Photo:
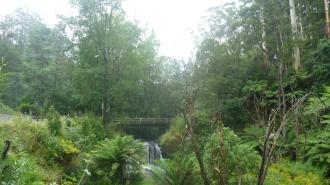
[{"x": 252, "y": 106}]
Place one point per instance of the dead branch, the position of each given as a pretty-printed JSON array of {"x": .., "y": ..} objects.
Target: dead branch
[{"x": 269, "y": 145}]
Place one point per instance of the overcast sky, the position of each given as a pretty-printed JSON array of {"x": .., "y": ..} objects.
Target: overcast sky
[{"x": 173, "y": 21}]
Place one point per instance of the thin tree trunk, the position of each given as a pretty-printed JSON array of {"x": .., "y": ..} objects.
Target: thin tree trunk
[
  {"x": 327, "y": 18},
  {"x": 189, "y": 115},
  {"x": 273, "y": 132},
  {"x": 223, "y": 173},
  {"x": 106, "y": 108},
  {"x": 190, "y": 120},
  {"x": 106, "y": 89},
  {"x": 294, "y": 26},
  {"x": 199, "y": 157}
]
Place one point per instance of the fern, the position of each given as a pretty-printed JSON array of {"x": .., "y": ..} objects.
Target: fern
[
  {"x": 319, "y": 106},
  {"x": 318, "y": 151},
  {"x": 177, "y": 171},
  {"x": 253, "y": 136},
  {"x": 119, "y": 159}
]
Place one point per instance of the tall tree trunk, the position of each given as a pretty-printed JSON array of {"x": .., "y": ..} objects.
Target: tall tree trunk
[
  {"x": 294, "y": 26},
  {"x": 263, "y": 38},
  {"x": 327, "y": 17},
  {"x": 106, "y": 93},
  {"x": 106, "y": 112},
  {"x": 104, "y": 50}
]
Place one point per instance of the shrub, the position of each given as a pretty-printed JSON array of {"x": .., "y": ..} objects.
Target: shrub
[
  {"x": 85, "y": 131},
  {"x": 293, "y": 173},
  {"x": 30, "y": 136},
  {"x": 29, "y": 109},
  {"x": 4, "y": 109},
  {"x": 318, "y": 149},
  {"x": 171, "y": 139},
  {"x": 240, "y": 158},
  {"x": 68, "y": 147},
  {"x": 22, "y": 169},
  {"x": 54, "y": 121},
  {"x": 67, "y": 151}
]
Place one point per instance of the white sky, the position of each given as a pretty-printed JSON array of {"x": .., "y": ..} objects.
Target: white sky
[{"x": 173, "y": 21}]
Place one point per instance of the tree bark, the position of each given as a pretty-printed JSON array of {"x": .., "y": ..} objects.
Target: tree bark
[
  {"x": 327, "y": 17},
  {"x": 294, "y": 26}
]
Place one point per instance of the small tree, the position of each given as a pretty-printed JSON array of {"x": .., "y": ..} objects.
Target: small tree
[{"x": 54, "y": 121}]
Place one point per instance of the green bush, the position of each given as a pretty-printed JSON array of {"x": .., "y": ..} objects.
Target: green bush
[
  {"x": 54, "y": 121},
  {"x": 293, "y": 173},
  {"x": 30, "y": 136},
  {"x": 240, "y": 158},
  {"x": 33, "y": 137},
  {"x": 29, "y": 109},
  {"x": 170, "y": 141},
  {"x": 85, "y": 131},
  {"x": 4, "y": 109},
  {"x": 23, "y": 168},
  {"x": 318, "y": 149}
]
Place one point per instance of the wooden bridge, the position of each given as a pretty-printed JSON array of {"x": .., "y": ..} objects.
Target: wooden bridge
[
  {"x": 149, "y": 129},
  {"x": 143, "y": 121}
]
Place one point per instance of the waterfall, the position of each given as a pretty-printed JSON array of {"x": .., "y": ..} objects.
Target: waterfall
[{"x": 153, "y": 152}]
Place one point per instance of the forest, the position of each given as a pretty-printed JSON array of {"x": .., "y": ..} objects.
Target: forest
[{"x": 250, "y": 107}]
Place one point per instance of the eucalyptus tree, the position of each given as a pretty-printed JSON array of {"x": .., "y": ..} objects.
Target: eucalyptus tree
[
  {"x": 296, "y": 50},
  {"x": 10, "y": 81},
  {"x": 327, "y": 17},
  {"x": 95, "y": 31},
  {"x": 113, "y": 57},
  {"x": 14, "y": 31},
  {"x": 37, "y": 64}
]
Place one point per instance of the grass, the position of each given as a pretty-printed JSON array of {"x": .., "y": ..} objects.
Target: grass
[{"x": 148, "y": 181}]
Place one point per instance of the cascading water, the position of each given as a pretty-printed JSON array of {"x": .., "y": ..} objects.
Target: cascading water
[{"x": 153, "y": 153}]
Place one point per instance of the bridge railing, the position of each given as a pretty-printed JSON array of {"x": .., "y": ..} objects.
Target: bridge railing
[{"x": 136, "y": 121}]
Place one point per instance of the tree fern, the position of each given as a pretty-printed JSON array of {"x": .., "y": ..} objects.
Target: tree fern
[
  {"x": 318, "y": 149},
  {"x": 119, "y": 159},
  {"x": 176, "y": 171}
]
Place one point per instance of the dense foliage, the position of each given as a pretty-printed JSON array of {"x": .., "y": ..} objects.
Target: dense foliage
[{"x": 251, "y": 107}]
